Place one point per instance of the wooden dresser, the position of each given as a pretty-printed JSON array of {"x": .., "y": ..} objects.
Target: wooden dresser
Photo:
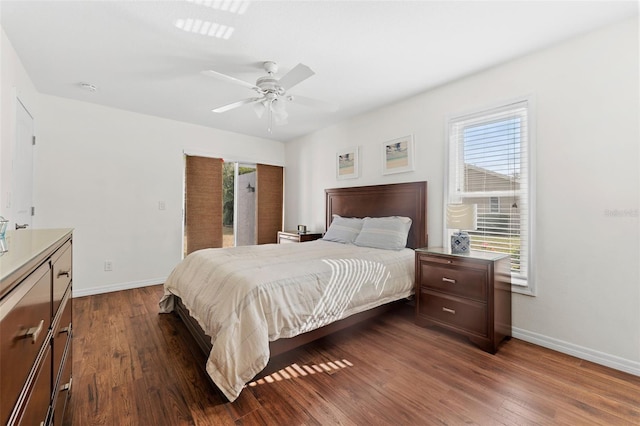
[
  {"x": 466, "y": 293},
  {"x": 35, "y": 326}
]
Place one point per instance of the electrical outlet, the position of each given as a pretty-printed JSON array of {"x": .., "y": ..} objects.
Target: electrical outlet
[
  {"x": 161, "y": 205},
  {"x": 108, "y": 265}
]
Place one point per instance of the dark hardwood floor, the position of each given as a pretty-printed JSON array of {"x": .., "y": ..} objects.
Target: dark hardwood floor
[{"x": 133, "y": 366}]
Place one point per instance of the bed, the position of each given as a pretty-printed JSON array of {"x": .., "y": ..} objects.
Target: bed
[{"x": 246, "y": 304}]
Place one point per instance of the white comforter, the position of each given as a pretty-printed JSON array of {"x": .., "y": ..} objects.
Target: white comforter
[{"x": 244, "y": 297}]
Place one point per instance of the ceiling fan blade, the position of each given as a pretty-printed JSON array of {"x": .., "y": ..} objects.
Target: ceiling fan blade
[
  {"x": 298, "y": 74},
  {"x": 228, "y": 78},
  {"x": 238, "y": 104},
  {"x": 314, "y": 103}
]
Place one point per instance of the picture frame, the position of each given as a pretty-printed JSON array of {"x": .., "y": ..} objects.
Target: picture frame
[
  {"x": 397, "y": 155},
  {"x": 347, "y": 163}
]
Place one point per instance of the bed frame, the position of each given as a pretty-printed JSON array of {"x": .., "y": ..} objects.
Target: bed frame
[{"x": 400, "y": 199}]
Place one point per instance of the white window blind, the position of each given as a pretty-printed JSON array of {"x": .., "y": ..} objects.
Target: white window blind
[{"x": 489, "y": 166}]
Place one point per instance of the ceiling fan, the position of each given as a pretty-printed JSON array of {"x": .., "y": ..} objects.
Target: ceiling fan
[{"x": 272, "y": 92}]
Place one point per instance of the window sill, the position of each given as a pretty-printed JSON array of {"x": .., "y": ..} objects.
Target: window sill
[{"x": 522, "y": 289}]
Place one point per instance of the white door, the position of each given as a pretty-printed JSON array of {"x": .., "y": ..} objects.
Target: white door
[{"x": 22, "y": 181}]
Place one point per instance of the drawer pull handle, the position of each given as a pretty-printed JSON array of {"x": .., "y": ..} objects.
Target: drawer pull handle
[
  {"x": 64, "y": 330},
  {"x": 66, "y": 386},
  {"x": 448, "y": 280},
  {"x": 65, "y": 273},
  {"x": 450, "y": 311},
  {"x": 32, "y": 332}
]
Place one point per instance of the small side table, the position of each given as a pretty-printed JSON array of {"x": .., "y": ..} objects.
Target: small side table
[{"x": 466, "y": 293}]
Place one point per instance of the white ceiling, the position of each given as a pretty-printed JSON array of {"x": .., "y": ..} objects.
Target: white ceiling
[{"x": 365, "y": 54}]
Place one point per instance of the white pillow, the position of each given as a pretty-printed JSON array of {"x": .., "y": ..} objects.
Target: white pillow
[
  {"x": 343, "y": 229},
  {"x": 389, "y": 233}
]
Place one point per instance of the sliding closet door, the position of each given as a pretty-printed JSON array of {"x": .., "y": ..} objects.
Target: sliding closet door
[
  {"x": 203, "y": 203},
  {"x": 270, "y": 182}
]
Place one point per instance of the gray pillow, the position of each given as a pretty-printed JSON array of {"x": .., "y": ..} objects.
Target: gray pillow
[
  {"x": 343, "y": 229},
  {"x": 389, "y": 233}
]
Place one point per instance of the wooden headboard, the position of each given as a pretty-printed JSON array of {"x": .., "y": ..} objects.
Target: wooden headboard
[{"x": 399, "y": 199}]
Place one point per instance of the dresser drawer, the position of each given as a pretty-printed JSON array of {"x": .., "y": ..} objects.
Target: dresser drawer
[
  {"x": 37, "y": 408},
  {"x": 63, "y": 391},
  {"x": 61, "y": 274},
  {"x": 62, "y": 333},
  {"x": 25, "y": 318},
  {"x": 464, "y": 282},
  {"x": 461, "y": 314}
]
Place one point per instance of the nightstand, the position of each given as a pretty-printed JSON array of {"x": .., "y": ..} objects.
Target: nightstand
[
  {"x": 294, "y": 237},
  {"x": 466, "y": 293}
]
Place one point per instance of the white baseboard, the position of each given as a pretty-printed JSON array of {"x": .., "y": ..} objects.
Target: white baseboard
[
  {"x": 608, "y": 360},
  {"x": 117, "y": 287}
]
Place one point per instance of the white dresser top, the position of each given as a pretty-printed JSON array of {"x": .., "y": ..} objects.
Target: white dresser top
[{"x": 25, "y": 247}]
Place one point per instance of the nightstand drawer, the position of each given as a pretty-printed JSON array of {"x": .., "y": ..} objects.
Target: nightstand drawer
[
  {"x": 454, "y": 262},
  {"x": 467, "y": 316},
  {"x": 464, "y": 282},
  {"x": 287, "y": 238},
  {"x": 294, "y": 237}
]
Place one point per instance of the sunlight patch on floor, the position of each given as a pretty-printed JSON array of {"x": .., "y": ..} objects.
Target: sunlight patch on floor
[{"x": 294, "y": 371}]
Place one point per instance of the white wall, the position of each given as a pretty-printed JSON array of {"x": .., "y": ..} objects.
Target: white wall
[
  {"x": 103, "y": 171},
  {"x": 586, "y": 107}
]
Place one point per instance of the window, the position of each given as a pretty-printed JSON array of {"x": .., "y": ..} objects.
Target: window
[
  {"x": 489, "y": 165},
  {"x": 495, "y": 204}
]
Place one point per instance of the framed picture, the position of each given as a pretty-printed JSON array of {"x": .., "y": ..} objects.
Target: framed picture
[
  {"x": 347, "y": 163},
  {"x": 397, "y": 155}
]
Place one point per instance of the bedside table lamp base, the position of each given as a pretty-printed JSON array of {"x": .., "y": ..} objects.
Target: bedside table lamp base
[{"x": 460, "y": 243}]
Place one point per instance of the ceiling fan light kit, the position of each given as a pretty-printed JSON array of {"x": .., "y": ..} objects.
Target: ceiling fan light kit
[{"x": 271, "y": 90}]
